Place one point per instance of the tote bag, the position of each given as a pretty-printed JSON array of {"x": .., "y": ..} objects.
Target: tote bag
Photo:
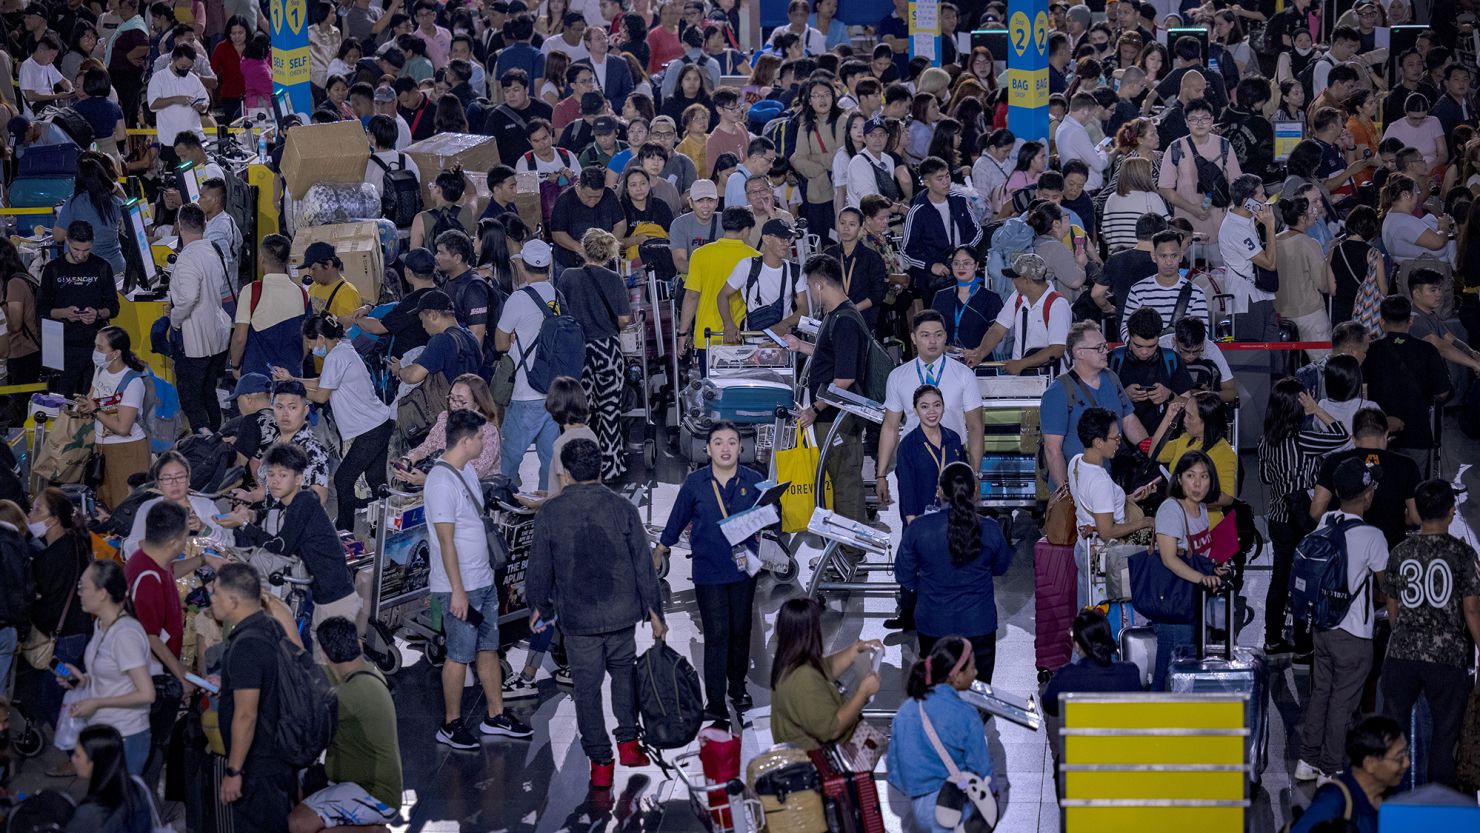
[
  {"x": 798, "y": 465},
  {"x": 66, "y": 450}
]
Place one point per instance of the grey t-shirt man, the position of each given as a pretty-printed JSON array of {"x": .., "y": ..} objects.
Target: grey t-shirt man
[{"x": 687, "y": 233}]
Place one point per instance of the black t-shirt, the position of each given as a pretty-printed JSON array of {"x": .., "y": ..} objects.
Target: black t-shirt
[
  {"x": 403, "y": 325},
  {"x": 251, "y": 663},
  {"x": 247, "y": 429},
  {"x": 1395, "y": 105},
  {"x": 420, "y": 119},
  {"x": 86, "y": 284},
  {"x": 595, "y": 297},
  {"x": 842, "y": 352},
  {"x": 575, "y": 218},
  {"x": 1164, "y": 367},
  {"x": 1405, "y": 375},
  {"x": 1124, "y": 110},
  {"x": 506, "y": 124},
  {"x": 1121, "y": 272},
  {"x": 1400, "y": 479},
  {"x": 656, "y": 211},
  {"x": 475, "y": 300},
  {"x": 864, "y": 277}
]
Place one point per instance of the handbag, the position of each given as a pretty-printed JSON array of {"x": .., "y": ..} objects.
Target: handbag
[
  {"x": 959, "y": 787},
  {"x": 498, "y": 548},
  {"x": 69, "y": 726},
  {"x": 1058, "y": 519},
  {"x": 1115, "y": 564},
  {"x": 39, "y": 648},
  {"x": 862, "y": 751},
  {"x": 67, "y": 448},
  {"x": 798, "y": 466},
  {"x": 501, "y": 386},
  {"x": 1161, "y": 595},
  {"x": 1366, "y": 308}
]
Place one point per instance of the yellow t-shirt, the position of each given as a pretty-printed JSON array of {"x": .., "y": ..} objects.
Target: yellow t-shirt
[
  {"x": 346, "y": 298},
  {"x": 1224, "y": 461},
  {"x": 709, "y": 268}
]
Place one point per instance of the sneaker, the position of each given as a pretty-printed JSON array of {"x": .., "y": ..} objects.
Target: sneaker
[
  {"x": 742, "y": 702},
  {"x": 503, "y": 724},
  {"x": 563, "y": 677},
  {"x": 602, "y": 773},
  {"x": 518, "y": 688},
  {"x": 456, "y": 736},
  {"x": 1306, "y": 772},
  {"x": 630, "y": 753},
  {"x": 899, "y": 622},
  {"x": 1280, "y": 648}
]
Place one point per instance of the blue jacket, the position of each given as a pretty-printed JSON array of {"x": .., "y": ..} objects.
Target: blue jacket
[
  {"x": 523, "y": 56},
  {"x": 915, "y": 768},
  {"x": 926, "y": 241},
  {"x": 1328, "y": 803},
  {"x": 952, "y": 600},
  {"x": 919, "y": 472},
  {"x": 618, "y": 80},
  {"x": 714, "y": 562}
]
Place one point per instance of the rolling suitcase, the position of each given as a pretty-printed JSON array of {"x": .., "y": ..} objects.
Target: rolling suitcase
[
  {"x": 1055, "y": 593},
  {"x": 1138, "y": 647},
  {"x": 1230, "y": 670},
  {"x": 850, "y": 799},
  {"x": 789, "y": 789}
]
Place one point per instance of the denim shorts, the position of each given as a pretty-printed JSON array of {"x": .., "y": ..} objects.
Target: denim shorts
[{"x": 464, "y": 642}]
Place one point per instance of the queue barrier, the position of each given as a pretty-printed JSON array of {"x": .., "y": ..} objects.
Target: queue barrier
[{"x": 1153, "y": 761}]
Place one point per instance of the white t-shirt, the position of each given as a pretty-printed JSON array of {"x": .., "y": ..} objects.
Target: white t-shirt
[
  {"x": 105, "y": 393},
  {"x": 375, "y": 175},
  {"x": 1238, "y": 242},
  {"x": 958, "y": 386},
  {"x": 1366, "y": 553},
  {"x": 1211, "y": 352},
  {"x": 1400, "y": 233},
  {"x": 199, "y": 504},
  {"x": 110, "y": 655},
  {"x": 448, "y": 502},
  {"x": 557, "y": 162},
  {"x": 1040, "y": 334},
  {"x": 1094, "y": 492},
  {"x": 351, "y": 395},
  {"x": 770, "y": 284},
  {"x": 522, "y": 318},
  {"x": 558, "y": 44},
  {"x": 177, "y": 118},
  {"x": 37, "y": 79}
]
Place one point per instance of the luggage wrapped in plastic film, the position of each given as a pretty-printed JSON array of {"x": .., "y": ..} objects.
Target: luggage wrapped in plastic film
[{"x": 335, "y": 202}]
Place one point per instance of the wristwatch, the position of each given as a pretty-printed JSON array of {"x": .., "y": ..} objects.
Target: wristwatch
[{"x": 233, "y": 773}]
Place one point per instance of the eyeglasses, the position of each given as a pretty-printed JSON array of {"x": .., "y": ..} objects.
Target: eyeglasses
[
  {"x": 1102, "y": 347},
  {"x": 658, "y": 134},
  {"x": 173, "y": 478},
  {"x": 1113, "y": 438},
  {"x": 456, "y": 400},
  {"x": 1200, "y": 120}
]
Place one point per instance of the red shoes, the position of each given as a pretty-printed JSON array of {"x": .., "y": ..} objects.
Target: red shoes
[{"x": 629, "y": 752}]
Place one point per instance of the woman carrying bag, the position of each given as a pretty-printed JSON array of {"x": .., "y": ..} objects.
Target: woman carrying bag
[
  {"x": 116, "y": 403},
  {"x": 598, "y": 300},
  {"x": 59, "y": 626}
]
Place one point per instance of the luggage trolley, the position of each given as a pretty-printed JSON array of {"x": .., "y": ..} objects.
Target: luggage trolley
[
  {"x": 744, "y": 384},
  {"x": 835, "y": 571},
  {"x": 1011, "y": 436}
]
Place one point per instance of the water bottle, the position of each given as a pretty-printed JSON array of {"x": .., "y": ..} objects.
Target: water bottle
[
  {"x": 262, "y": 148},
  {"x": 1207, "y": 201}
]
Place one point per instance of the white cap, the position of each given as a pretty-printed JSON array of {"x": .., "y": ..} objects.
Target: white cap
[{"x": 536, "y": 253}]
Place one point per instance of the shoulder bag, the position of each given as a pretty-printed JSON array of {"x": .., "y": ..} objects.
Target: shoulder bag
[
  {"x": 1161, "y": 595},
  {"x": 39, "y": 648},
  {"x": 959, "y": 787},
  {"x": 498, "y": 548}
]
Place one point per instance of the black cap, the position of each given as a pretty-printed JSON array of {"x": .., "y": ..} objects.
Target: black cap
[
  {"x": 1353, "y": 477},
  {"x": 592, "y": 103},
  {"x": 604, "y": 124},
  {"x": 778, "y": 228},
  {"x": 420, "y": 261},
  {"x": 435, "y": 301}
]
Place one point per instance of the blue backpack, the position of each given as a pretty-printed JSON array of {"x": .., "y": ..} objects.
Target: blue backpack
[
  {"x": 1318, "y": 589},
  {"x": 559, "y": 349}
]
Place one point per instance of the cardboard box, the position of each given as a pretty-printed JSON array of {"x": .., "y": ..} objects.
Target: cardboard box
[
  {"x": 527, "y": 198},
  {"x": 357, "y": 244},
  {"x": 317, "y": 153},
  {"x": 444, "y": 151}
]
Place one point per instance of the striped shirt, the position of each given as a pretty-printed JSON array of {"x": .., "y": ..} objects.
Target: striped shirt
[
  {"x": 1150, "y": 293},
  {"x": 1119, "y": 217},
  {"x": 1289, "y": 465}
]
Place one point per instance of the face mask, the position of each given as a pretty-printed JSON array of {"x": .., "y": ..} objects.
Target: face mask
[
  {"x": 181, "y": 72},
  {"x": 100, "y": 359},
  {"x": 38, "y": 529},
  {"x": 1306, "y": 51},
  {"x": 321, "y": 351}
]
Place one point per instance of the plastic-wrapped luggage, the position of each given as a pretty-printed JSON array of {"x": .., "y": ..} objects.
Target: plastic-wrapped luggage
[
  {"x": 1055, "y": 593},
  {"x": 334, "y": 202},
  {"x": 789, "y": 788},
  {"x": 1230, "y": 670},
  {"x": 850, "y": 799}
]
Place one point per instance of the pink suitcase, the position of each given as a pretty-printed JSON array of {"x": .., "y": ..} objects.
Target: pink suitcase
[{"x": 1055, "y": 592}]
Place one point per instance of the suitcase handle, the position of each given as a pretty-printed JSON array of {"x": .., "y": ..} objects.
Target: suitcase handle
[{"x": 1199, "y": 613}]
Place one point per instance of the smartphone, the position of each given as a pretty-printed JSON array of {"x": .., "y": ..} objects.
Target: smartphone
[
  {"x": 475, "y": 618},
  {"x": 1079, "y": 245},
  {"x": 1253, "y": 206},
  {"x": 202, "y": 682},
  {"x": 61, "y": 668}
]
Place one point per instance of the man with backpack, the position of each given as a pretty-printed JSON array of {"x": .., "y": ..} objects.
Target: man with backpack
[
  {"x": 768, "y": 285},
  {"x": 1195, "y": 173},
  {"x": 1151, "y": 374},
  {"x": 268, "y": 329},
  {"x": 590, "y": 568},
  {"x": 1331, "y": 588},
  {"x": 519, "y": 334},
  {"x": 1172, "y": 294},
  {"x": 450, "y": 352},
  {"x": 474, "y": 299},
  {"x": 394, "y": 175},
  {"x": 509, "y": 122},
  {"x": 1433, "y": 604},
  {"x": 1037, "y": 317}
]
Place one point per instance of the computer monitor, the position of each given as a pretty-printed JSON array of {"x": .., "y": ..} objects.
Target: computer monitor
[
  {"x": 187, "y": 180},
  {"x": 282, "y": 104},
  {"x": 133, "y": 212},
  {"x": 995, "y": 40},
  {"x": 1287, "y": 134}
]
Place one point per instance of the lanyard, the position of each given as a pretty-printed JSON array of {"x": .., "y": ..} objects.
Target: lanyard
[
  {"x": 929, "y": 377},
  {"x": 938, "y": 459},
  {"x": 848, "y": 275},
  {"x": 961, "y": 309},
  {"x": 718, "y": 498}
]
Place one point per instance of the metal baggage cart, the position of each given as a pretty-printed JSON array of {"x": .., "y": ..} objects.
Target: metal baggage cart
[
  {"x": 1009, "y": 476},
  {"x": 721, "y": 808}
]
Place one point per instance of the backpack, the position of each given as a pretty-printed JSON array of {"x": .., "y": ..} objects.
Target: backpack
[
  {"x": 48, "y": 811},
  {"x": 669, "y": 698},
  {"x": 550, "y": 190},
  {"x": 1169, "y": 360},
  {"x": 308, "y": 707},
  {"x": 74, "y": 124},
  {"x": 1012, "y": 238},
  {"x": 559, "y": 349},
  {"x": 17, "y": 585},
  {"x": 1318, "y": 590},
  {"x": 1346, "y": 804},
  {"x": 400, "y": 199},
  {"x": 417, "y": 411},
  {"x": 874, "y": 383},
  {"x": 771, "y": 314},
  {"x": 1211, "y": 179},
  {"x": 160, "y": 410},
  {"x": 1307, "y": 76},
  {"x": 783, "y": 134},
  {"x": 445, "y": 219},
  {"x": 210, "y": 457},
  {"x": 761, "y": 114}
]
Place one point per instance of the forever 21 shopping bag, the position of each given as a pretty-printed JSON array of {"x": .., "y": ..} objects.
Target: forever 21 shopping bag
[
  {"x": 798, "y": 466},
  {"x": 66, "y": 450}
]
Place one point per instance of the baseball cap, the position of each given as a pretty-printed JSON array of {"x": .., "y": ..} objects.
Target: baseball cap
[
  {"x": 703, "y": 189},
  {"x": 1028, "y": 266},
  {"x": 592, "y": 103},
  {"x": 34, "y": 9},
  {"x": 499, "y": 6},
  {"x": 420, "y": 261},
  {"x": 875, "y": 123},
  {"x": 536, "y": 253},
  {"x": 251, "y": 383},
  {"x": 663, "y": 121},
  {"x": 318, "y": 252},
  {"x": 1353, "y": 477},
  {"x": 384, "y": 95},
  {"x": 604, "y": 124},
  {"x": 778, "y": 228},
  {"x": 435, "y": 301}
]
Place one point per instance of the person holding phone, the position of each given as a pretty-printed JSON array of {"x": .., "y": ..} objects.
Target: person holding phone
[
  {"x": 1099, "y": 502},
  {"x": 1182, "y": 531}
]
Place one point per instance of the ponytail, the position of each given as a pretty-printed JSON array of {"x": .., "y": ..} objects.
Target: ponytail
[
  {"x": 958, "y": 484},
  {"x": 118, "y": 339},
  {"x": 1092, "y": 635},
  {"x": 947, "y": 657}
]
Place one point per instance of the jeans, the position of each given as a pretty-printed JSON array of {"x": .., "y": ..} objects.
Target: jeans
[
  {"x": 922, "y": 814},
  {"x": 196, "y": 381},
  {"x": 7, "y": 657},
  {"x": 1447, "y": 688},
  {"x": 592, "y": 656},
  {"x": 526, "y": 421},
  {"x": 366, "y": 455},
  {"x": 1168, "y": 639},
  {"x": 984, "y": 648},
  {"x": 464, "y": 641},
  {"x": 48, "y": 691},
  {"x": 136, "y": 752},
  {"x": 725, "y": 613},
  {"x": 1336, "y": 676},
  {"x": 844, "y": 465}
]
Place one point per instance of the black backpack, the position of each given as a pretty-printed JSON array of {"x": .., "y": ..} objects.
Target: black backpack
[
  {"x": 308, "y": 707},
  {"x": 669, "y": 697},
  {"x": 1211, "y": 178},
  {"x": 74, "y": 124},
  {"x": 1307, "y": 76},
  {"x": 210, "y": 457},
  {"x": 445, "y": 219},
  {"x": 400, "y": 196},
  {"x": 17, "y": 585}
]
